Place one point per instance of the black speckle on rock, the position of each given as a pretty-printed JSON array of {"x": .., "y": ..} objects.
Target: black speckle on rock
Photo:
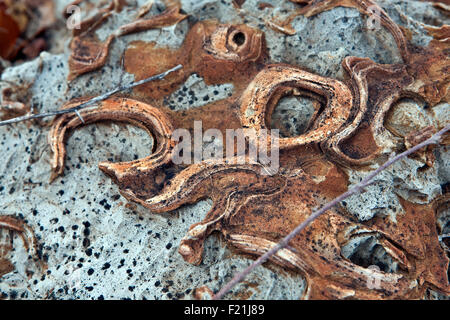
[
  {"x": 86, "y": 242},
  {"x": 105, "y": 204},
  {"x": 13, "y": 295},
  {"x": 106, "y": 266}
]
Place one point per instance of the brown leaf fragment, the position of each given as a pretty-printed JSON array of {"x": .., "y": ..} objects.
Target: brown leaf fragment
[{"x": 9, "y": 33}]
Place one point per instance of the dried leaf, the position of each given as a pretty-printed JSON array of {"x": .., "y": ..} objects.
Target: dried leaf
[{"x": 9, "y": 33}]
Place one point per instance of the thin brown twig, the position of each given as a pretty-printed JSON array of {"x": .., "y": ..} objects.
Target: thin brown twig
[
  {"x": 91, "y": 101},
  {"x": 357, "y": 189}
]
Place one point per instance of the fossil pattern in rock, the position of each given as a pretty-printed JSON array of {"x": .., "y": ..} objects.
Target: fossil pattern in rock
[{"x": 253, "y": 211}]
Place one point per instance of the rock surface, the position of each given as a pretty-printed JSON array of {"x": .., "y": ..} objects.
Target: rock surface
[{"x": 94, "y": 243}]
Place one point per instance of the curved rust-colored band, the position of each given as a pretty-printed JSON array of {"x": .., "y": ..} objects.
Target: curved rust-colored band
[
  {"x": 370, "y": 108},
  {"x": 140, "y": 114},
  {"x": 256, "y": 99}
]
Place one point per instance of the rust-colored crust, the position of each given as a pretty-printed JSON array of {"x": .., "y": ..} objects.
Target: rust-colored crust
[{"x": 208, "y": 50}]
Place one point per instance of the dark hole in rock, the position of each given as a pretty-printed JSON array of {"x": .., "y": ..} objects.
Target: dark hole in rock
[
  {"x": 239, "y": 38},
  {"x": 366, "y": 252},
  {"x": 293, "y": 115}
]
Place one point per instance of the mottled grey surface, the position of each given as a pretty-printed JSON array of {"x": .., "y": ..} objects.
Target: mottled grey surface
[
  {"x": 98, "y": 246},
  {"x": 196, "y": 93}
]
